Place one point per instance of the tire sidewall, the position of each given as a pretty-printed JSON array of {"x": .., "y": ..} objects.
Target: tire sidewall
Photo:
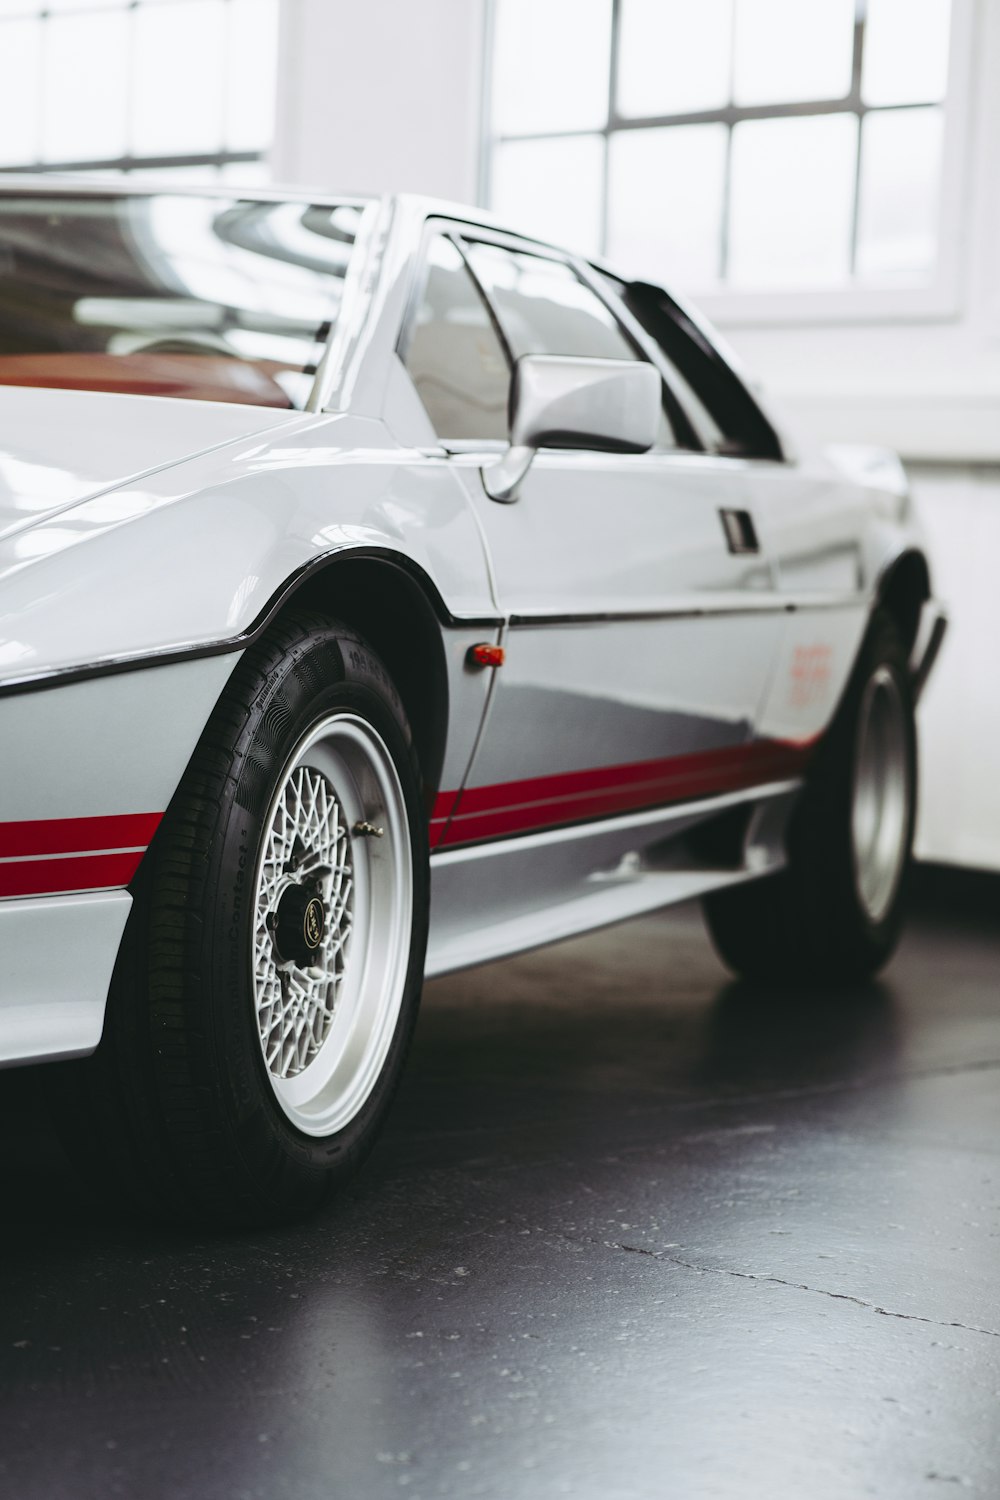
[
  {"x": 331, "y": 672},
  {"x": 822, "y": 848}
]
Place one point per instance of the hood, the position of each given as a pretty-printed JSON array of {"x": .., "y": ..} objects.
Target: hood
[{"x": 59, "y": 448}]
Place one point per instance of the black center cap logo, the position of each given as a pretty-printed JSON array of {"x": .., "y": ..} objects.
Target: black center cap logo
[{"x": 312, "y": 924}]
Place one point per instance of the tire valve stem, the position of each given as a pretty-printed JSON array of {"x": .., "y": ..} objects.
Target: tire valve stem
[{"x": 368, "y": 830}]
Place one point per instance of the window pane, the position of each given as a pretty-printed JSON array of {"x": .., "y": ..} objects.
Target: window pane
[
  {"x": 179, "y": 67},
  {"x": 543, "y": 307},
  {"x": 202, "y": 298},
  {"x": 791, "y": 201},
  {"x": 251, "y": 73},
  {"x": 454, "y": 357},
  {"x": 551, "y": 63},
  {"x": 906, "y": 51},
  {"x": 792, "y": 49},
  {"x": 84, "y": 106},
  {"x": 673, "y": 56},
  {"x": 551, "y": 189},
  {"x": 20, "y": 73},
  {"x": 900, "y": 178},
  {"x": 665, "y": 199}
]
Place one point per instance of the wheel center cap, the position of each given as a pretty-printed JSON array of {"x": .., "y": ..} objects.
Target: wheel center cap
[
  {"x": 301, "y": 926},
  {"x": 312, "y": 924}
]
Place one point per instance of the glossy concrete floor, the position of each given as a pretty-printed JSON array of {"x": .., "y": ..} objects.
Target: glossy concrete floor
[{"x": 632, "y": 1233}]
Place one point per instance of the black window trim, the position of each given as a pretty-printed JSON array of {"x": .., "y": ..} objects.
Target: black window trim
[
  {"x": 592, "y": 273},
  {"x": 684, "y": 429},
  {"x": 440, "y": 228}
]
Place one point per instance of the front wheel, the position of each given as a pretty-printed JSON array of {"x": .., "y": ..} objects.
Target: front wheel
[
  {"x": 836, "y": 911},
  {"x": 266, "y": 994}
]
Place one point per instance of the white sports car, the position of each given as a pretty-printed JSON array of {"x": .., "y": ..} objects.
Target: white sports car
[{"x": 382, "y": 592}]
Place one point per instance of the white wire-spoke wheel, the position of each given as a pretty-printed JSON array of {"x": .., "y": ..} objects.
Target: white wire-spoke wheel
[
  {"x": 268, "y": 984},
  {"x": 333, "y": 907}
]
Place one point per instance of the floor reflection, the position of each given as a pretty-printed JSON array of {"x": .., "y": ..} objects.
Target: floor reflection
[{"x": 628, "y": 1234}]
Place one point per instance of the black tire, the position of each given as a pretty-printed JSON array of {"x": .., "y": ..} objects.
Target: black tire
[
  {"x": 813, "y": 920},
  {"x": 178, "y": 1108}
]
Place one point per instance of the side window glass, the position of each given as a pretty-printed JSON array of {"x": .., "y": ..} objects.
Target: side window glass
[
  {"x": 453, "y": 354},
  {"x": 703, "y": 417},
  {"x": 740, "y": 427},
  {"x": 544, "y": 308}
]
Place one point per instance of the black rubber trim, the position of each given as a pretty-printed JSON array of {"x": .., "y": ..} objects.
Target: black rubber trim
[
  {"x": 779, "y": 607},
  {"x": 228, "y": 646},
  {"x": 930, "y": 656}
]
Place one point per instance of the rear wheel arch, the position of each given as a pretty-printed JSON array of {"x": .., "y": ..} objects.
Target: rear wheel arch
[{"x": 903, "y": 589}]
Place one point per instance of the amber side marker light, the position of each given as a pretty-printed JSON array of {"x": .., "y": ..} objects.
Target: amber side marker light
[{"x": 486, "y": 656}]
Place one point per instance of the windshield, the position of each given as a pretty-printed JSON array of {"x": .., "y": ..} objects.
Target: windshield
[{"x": 210, "y": 299}]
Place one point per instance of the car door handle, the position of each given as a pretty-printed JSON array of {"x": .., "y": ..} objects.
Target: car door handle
[{"x": 741, "y": 534}]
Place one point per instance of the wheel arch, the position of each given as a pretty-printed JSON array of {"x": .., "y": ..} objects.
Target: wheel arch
[
  {"x": 904, "y": 586},
  {"x": 400, "y": 613}
]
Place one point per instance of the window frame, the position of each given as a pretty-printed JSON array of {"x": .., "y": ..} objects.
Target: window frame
[
  {"x": 436, "y": 229},
  {"x": 458, "y": 231},
  {"x": 700, "y": 337},
  {"x": 938, "y": 298}
]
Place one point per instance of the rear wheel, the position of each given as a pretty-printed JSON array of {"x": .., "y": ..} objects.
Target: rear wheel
[
  {"x": 266, "y": 993},
  {"x": 836, "y": 911}
]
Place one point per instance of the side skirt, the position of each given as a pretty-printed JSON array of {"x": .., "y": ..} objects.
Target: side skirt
[{"x": 496, "y": 899}]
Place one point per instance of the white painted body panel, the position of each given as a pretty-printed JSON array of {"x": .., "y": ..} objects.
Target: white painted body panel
[
  {"x": 491, "y": 900},
  {"x": 56, "y": 957},
  {"x": 192, "y": 554},
  {"x": 669, "y": 637},
  {"x": 113, "y": 745},
  {"x": 55, "y": 449},
  {"x": 134, "y": 531}
]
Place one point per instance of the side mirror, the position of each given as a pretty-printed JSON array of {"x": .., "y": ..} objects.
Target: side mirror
[{"x": 610, "y": 405}]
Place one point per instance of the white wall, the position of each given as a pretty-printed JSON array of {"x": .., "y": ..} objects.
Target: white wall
[
  {"x": 960, "y": 715},
  {"x": 381, "y": 96},
  {"x": 386, "y": 95}
]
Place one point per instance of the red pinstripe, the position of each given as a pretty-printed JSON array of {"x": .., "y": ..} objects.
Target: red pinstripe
[
  {"x": 77, "y": 835},
  {"x": 51, "y": 856},
  {"x": 54, "y": 856},
  {"x": 540, "y": 802},
  {"x": 51, "y": 877}
]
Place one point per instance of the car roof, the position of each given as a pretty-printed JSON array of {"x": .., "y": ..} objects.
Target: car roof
[{"x": 134, "y": 185}]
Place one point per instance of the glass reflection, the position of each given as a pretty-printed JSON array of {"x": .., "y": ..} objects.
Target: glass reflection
[{"x": 213, "y": 299}]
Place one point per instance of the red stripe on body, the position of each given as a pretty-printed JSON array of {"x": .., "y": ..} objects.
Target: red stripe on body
[
  {"x": 55, "y": 856},
  {"x": 77, "y": 835},
  {"x": 50, "y": 877},
  {"x": 513, "y": 807},
  {"x": 444, "y": 805}
]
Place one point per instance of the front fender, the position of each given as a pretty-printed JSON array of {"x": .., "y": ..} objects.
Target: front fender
[{"x": 190, "y": 558}]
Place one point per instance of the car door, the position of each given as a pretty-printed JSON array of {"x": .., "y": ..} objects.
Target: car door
[
  {"x": 642, "y": 621},
  {"x": 811, "y": 517}
]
